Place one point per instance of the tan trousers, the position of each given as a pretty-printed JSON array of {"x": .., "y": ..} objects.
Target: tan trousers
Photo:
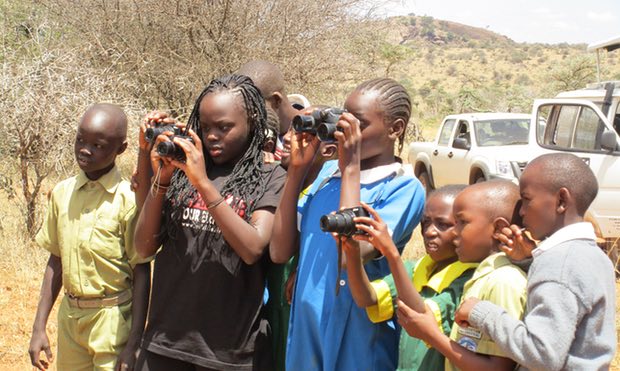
[{"x": 91, "y": 339}]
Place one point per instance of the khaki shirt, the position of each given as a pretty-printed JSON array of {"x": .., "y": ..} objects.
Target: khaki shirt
[
  {"x": 499, "y": 281},
  {"x": 90, "y": 226}
]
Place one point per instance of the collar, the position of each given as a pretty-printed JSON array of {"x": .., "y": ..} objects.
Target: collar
[
  {"x": 491, "y": 263},
  {"x": 583, "y": 230},
  {"x": 440, "y": 280},
  {"x": 375, "y": 174},
  {"x": 109, "y": 181}
]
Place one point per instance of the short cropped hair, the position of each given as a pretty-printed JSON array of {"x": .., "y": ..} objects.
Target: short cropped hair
[
  {"x": 447, "y": 191},
  {"x": 565, "y": 170},
  {"x": 266, "y": 76},
  {"x": 501, "y": 198}
]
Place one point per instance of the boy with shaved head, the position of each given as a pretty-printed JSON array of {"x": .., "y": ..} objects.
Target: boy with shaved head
[
  {"x": 480, "y": 212},
  {"x": 270, "y": 81},
  {"x": 569, "y": 322},
  {"x": 88, "y": 230}
]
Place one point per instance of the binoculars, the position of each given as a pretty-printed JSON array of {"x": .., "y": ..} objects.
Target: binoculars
[{"x": 321, "y": 123}]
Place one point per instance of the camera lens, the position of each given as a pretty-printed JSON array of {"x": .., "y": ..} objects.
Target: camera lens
[
  {"x": 303, "y": 123},
  {"x": 166, "y": 149},
  {"x": 149, "y": 135},
  {"x": 152, "y": 133},
  {"x": 326, "y": 131},
  {"x": 341, "y": 223}
]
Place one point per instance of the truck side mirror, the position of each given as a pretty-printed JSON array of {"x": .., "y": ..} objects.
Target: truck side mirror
[
  {"x": 608, "y": 141},
  {"x": 461, "y": 143}
]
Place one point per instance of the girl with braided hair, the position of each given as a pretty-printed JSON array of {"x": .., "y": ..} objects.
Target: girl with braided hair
[
  {"x": 327, "y": 331},
  {"x": 212, "y": 215}
]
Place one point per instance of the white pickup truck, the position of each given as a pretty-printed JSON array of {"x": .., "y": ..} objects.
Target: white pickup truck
[
  {"x": 583, "y": 122},
  {"x": 474, "y": 147}
]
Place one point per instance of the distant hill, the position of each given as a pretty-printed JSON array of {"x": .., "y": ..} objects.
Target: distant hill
[
  {"x": 440, "y": 32},
  {"x": 449, "y": 67}
]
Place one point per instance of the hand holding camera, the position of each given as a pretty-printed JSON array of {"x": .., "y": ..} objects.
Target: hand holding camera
[
  {"x": 343, "y": 221},
  {"x": 170, "y": 142},
  {"x": 170, "y": 148},
  {"x": 349, "y": 139},
  {"x": 375, "y": 231}
]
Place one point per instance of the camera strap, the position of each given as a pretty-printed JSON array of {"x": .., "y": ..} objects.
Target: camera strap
[{"x": 339, "y": 265}]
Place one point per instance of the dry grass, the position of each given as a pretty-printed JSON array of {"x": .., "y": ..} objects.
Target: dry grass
[{"x": 21, "y": 270}]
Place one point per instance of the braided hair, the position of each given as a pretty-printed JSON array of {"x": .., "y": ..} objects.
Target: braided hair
[
  {"x": 245, "y": 183},
  {"x": 394, "y": 100}
]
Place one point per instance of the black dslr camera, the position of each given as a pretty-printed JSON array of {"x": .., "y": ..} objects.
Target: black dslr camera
[
  {"x": 321, "y": 123},
  {"x": 342, "y": 222},
  {"x": 171, "y": 149}
]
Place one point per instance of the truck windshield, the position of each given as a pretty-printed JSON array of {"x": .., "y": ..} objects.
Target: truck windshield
[{"x": 502, "y": 132}]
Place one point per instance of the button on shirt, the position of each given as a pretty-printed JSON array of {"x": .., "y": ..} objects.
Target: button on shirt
[{"x": 90, "y": 225}]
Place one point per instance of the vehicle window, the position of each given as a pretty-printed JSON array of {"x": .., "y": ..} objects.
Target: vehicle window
[
  {"x": 564, "y": 126},
  {"x": 446, "y": 132},
  {"x": 572, "y": 127},
  {"x": 502, "y": 132},
  {"x": 543, "y": 118},
  {"x": 588, "y": 130},
  {"x": 463, "y": 131}
]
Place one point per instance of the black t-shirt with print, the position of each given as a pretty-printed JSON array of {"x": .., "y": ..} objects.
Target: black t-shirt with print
[{"x": 206, "y": 302}]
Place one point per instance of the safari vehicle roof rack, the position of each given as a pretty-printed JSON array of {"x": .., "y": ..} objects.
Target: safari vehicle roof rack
[{"x": 608, "y": 45}]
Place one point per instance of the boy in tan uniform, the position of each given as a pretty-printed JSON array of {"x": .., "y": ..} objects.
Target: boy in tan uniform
[{"x": 88, "y": 230}]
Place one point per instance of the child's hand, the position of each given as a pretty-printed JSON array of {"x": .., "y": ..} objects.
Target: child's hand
[
  {"x": 127, "y": 359},
  {"x": 515, "y": 243},
  {"x": 418, "y": 325},
  {"x": 376, "y": 232},
  {"x": 349, "y": 141},
  {"x": 304, "y": 147},
  {"x": 461, "y": 317},
  {"x": 152, "y": 119},
  {"x": 350, "y": 247},
  {"x": 194, "y": 165},
  {"x": 40, "y": 343}
]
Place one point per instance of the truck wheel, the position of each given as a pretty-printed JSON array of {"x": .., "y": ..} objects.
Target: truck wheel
[
  {"x": 479, "y": 179},
  {"x": 426, "y": 181}
]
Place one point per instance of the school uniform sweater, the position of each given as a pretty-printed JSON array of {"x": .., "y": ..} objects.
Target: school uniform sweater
[{"x": 570, "y": 315}]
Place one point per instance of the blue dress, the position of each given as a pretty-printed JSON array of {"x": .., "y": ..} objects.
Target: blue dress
[{"x": 329, "y": 332}]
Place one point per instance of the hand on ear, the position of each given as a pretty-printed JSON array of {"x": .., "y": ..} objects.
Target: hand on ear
[{"x": 513, "y": 241}]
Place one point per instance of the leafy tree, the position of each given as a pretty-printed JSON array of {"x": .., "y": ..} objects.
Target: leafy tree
[{"x": 574, "y": 73}]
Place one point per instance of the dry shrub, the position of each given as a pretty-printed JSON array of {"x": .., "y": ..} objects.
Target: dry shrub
[
  {"x": 169, "y": 50},
  {"x": 45, "y": 86}
]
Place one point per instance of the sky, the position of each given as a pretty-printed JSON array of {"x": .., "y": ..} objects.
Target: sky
[{"x": 544, "y": 21}]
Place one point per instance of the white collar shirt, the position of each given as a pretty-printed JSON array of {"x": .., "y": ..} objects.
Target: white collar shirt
[{"x": 583, "y": 230}]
